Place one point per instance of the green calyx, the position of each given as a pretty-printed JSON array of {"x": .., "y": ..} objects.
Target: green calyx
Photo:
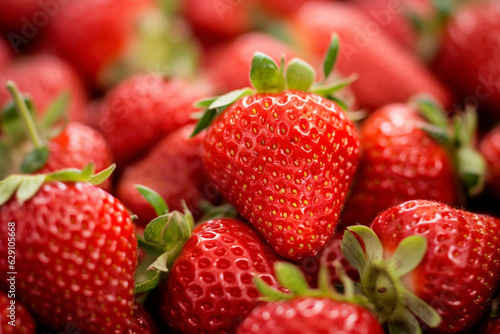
[
  {"x": 18, "y": 124},
  {"x": 457, "y": 137},
  {"x": 267, "y": 76},
  {"x": 291, "y": 278},
  {"x": 381, "y": 279},
  {"x": 163, "y": 240},
  {"x": 25, "y": 187}
]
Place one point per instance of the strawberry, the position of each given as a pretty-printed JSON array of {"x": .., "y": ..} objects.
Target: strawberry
[
  {"x": 83, "y": 244},
  {"x": 371, "y": 54},
  {"x": 210, "y": 286},
  {"x": 229, "y": 64},
  {"x": 5, "y": 53},
  {"x": 315, "y": 311},
  {"x": 143, "y": 322},
  {"x": 75, "y": 146},
  {"x": 491, "y": 326},
  {"x": 14, "y": 316},
  {"x": 441, "y": 256},
  {"x": 490, "y": 148},
  {"x": 14, "y": 16},
  {"x": 401, "y": 161},
  {"x": 44, "y": 78},
  {"x": 468, "y": 56},
  {"x": 140, "y": 111},
  {"x": 283, "y": 157},
  {"x": 175, "y": 170}
]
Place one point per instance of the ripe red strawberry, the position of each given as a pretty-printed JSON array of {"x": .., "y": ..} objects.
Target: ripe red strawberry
[
  {"x": 44, "y": 78},
  {"x": 371, "y": 54},
  {"x": 450, "y": 260},
  {"x": 210, "y": 287},
  {"x": 173, "y": 169},
  {"x": 283, "y": 157},
  {"x": 5, "y": 53},
  {"x": 143, "y": 322},
  {"x": 75, "y": 250},
  {"x": 322, "y": 310},
  {"x": 84, "y": 32},
  {"x": 312, "y": 315},
  {"x": 229, "y": 64},
  {"x": 399, "y": 161},
  {"x": 468, "y": 57},
  {"x": 141, "y": 110},
  {"x": 15, "y": 318},
  {"x": 490, "y": 148}
]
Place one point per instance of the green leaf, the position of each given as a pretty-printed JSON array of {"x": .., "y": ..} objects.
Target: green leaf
[
  {"x": 216, "y": 212},
  {"x": 330, "y": 89},
  {"x": 204, "y": 122},
  {"x": 422, "y": 310},
  {"x": 290, "y": 277},
  {"x": 409, "y": 254},
  {"x": 265, "y": 74},
  {"x": 72, "y": 174},
  {"x": 205, "y": 103},
  {"x": 35, "y": 160},
  {"x": 331, "y": 56},
  {"x": 231, "y": 97},
  {"x": 29, "y": 187},
  {"x": 353, "y": 251},
  {"x": 8, "y": 187},
  {"x": 162, "y": 262},
  {"x": 99, "y": 177},
  {"x": 149, "y": 284},
  {"x": 431, "y": 111},
  {"x": 170, "y": 230},
  {"x": 373, "y": 246},
  {"x": 407, "y": 326},
  {"x": 340, "y": 102},
  {"x": 472, "y": 169},
  {"x": 270, "y": 293},
  {"x": 12, "y": 123},
  {"x": 440, "y": 135},
  {"x": 299, "y": 75},
  {"x": 55, "y": 111},
  {"x": 153, "y": 198}
]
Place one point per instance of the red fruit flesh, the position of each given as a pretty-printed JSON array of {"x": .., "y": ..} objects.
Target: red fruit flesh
[
  {"x": 24, "y": 323},
  {"x": 285, "y": 161},
  {"x": 210, "y": 288},
  {"x": 143, "y": 322},
  {"x": 460, "y": 271},
  {"x": 76, "y": 254},
  {"x": 490, "y": 148},
  {"x": 300, "y": 315},
  {"x": 174, "y": 169},
  {"x": 387, "y": 73},
  {"x": 93, "y": 34},
  {"x": 399, "y": 162},
  {"x": 468, "y": 59},
  {"x": 44, "y": 78},
  {"x": 141, "y": 110},
  {"x": 229, "y": 64}
]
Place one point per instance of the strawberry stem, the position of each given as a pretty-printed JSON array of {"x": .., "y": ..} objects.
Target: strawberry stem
[{"x": 25, "y": 114}]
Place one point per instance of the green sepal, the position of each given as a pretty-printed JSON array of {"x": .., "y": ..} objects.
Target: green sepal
[
  {"x": 291, "y": 278},
  {"x": 205, "y": 120},
  {"x": 472, "y": 167},
  {"x": 149, "y": 284},
  {"x": 231, "y": 97},
  {"x": 26, "y": 186},
  {"x": 425, "y": 312},
  {"x": 35, "y": 160},
  {"x": 55, "y": 112},
  {"x": 353, "y": 251},
  {"x": 146, "y": 280},
  {"x": 409, "y": 253},
  {"x": 408, "y": 326},
  {"x": 440, "y": 135},
  {"x": 216, "y": 212},
  {"x": 431, "y": 111},
  {"x": 373, "y": 246},
  {"x": 265, "y": 74},
  {"x": 299, "y": 75},
  {"x": 331, "y": 56},
  {"x": 341, "y": 103},
  {"x": 12, "y": 123},
  {"x": 329, "y": 89},
  {"x": 268, "y": 292},
  {"x": 205, "y": 103},
  {"x": 154, "y": 199}
]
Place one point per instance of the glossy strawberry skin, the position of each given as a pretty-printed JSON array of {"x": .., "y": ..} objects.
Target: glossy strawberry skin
[
  {"x": 174, "y": 169},
  {"x": 141, "y": 110},
  {"x": 210, "y": 288},
  {"x": 373, "y": 56},
  {"x": 399, "y": 162},
  {"x": 83, "y": 244},
  {"x": 143, "y": 322},
  {"x": 301, "y": 314},
  {"x": 44, "y": 78},
  {"x": 490, "y": 148},
  {"x": 285, "y": 161},
  {"x": 84, "y": 33},
  {"x": 24, "y": 322},
  {"x": 460, "y": 271},
  {"x": 228, "y": 65},
  {"x": 468, "y": 56}
]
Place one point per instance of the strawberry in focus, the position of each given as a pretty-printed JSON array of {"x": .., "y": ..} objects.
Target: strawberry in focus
[{"x": 84, "y": 245}]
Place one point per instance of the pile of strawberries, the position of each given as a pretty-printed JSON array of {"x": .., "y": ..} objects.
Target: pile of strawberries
[{"x": 257, "y": 166}]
